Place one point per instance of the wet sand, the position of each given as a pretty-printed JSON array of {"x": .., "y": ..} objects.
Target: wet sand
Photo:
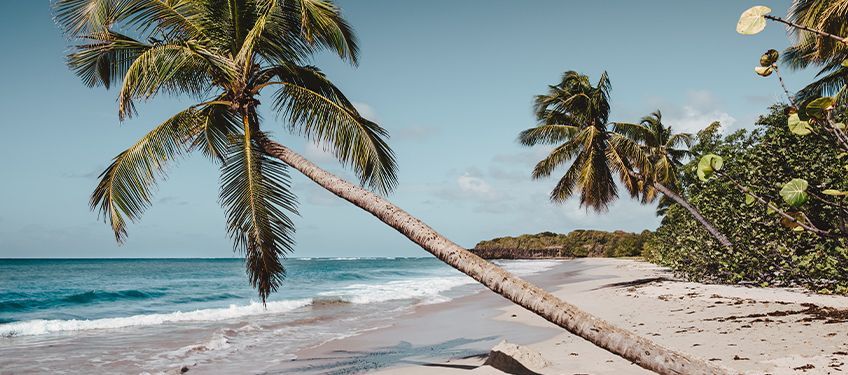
[{"x": 750, "y": 330}]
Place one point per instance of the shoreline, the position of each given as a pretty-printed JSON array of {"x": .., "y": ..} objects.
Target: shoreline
[{"x": 751, "y": 330}]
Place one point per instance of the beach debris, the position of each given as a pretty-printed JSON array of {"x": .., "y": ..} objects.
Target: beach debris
[
  {"x": 515, "y": 359},
  {"x": 804, "y": 368}
]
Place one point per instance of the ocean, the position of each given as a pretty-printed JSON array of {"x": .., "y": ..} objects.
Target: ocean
[{"x": 146, "y": 315}]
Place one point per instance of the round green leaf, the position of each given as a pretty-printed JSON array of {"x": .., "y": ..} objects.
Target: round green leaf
[
  {"x": 771, "y": 208},
  {"x": 764, "y": 71},
  {"x": 818, "y": 108},
  {"x": 845, "y": 63},
  {"x": 750, "y": 200},
  {"x": 794, "y": 192},
  {"x": 839, "y": 125},
  {"x": 798, "y": 127},
  {"x": 752, "y": 21},
  {"x": 708, "y": 164},
  {"x": 769, "y": 58}
]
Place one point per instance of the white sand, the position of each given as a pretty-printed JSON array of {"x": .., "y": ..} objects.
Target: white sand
[{"x": 708, "y": 321}]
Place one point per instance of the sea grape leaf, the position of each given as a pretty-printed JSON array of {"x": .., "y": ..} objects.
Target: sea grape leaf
[
  {"x": 769, "y": 58},
  {"x": 750, "y": 200},
  {"x": 798, "y": 127},
  {"x": 794, "y": 192},
  {"x": 764, "y": 71},
  {"x": 752, "y": 21},
  {"x": 708, "y": 164},
  {"x": 818, "y": 107}
]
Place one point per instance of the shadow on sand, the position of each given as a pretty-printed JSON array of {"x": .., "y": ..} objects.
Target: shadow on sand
[{"x": 355, "y": 362}]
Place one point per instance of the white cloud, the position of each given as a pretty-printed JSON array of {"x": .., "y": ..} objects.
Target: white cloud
[
  {"x": 700, "y": 109},
  {"x": 476, "y": 185},
  {"x": 693, "y": 119},
  {"x": 366, "y": 111},
  {"x": 316, "y": 152}
]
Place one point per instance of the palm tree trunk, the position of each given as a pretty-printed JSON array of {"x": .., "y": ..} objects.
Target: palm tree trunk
[
  {"x": 640, "y": 350},
  {"x": 695, "y": 213}
]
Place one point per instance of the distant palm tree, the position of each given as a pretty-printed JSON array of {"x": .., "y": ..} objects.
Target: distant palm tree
[
  {"x": 225, "y": 53},
  {"x": 654, "y": 156},
  {"x": 574, "y": 116},
  {"x": 809, "y": 49}
]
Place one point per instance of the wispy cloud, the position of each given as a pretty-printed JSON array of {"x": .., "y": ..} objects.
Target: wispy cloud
[
  {"x": 92, "y": 174},
  {"x": 172, "y": 201},
  {"x": 415, "y": 133},
  {"x": 699, "y": 109}
]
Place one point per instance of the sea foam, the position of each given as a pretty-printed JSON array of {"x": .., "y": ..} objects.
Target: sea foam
[
  {"x": 40, "y": 327},
  {"x": 425, "y": 290}
]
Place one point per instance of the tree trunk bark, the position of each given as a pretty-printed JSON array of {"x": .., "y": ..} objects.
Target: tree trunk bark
[
  {"x": 695, "y": 213},
  {"x": 640, "y": 350}
]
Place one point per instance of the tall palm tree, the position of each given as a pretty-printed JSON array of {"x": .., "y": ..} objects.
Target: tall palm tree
[
  {"x": 812, "y": 50},
  {"x": 225, "y": 53},
  {"x": 574, "y": 115}
]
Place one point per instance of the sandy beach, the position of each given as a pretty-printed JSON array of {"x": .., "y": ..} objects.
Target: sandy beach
[{"x": 749, "y": 330}]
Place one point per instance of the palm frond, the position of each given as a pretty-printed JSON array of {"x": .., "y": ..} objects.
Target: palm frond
[
  {"x": 174, "y": 68},
  {"x": 557, "y": 157},
  {"x": 244, "y": 57},
  {"x": 321, "y": 23},
  {"x": 318, "y": 110},
  {"x": 597, "y": 184},
  {"x": 145, "y": 17},
  {"x": 678, "y": 139},
  {"x": 827, "y": 84},
  {"x": 256, "y": 192},
  {"x": 105, "y": 58},
  {"x": 547, "y": 134},
  {"x": 125, "y": 187},
  {"x": 219, "y": 126},
  {"x": 635, "y": 132}
]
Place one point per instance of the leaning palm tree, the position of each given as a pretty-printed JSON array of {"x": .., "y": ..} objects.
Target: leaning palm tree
[
  {"x": 814, "y": 50},
  {"x": 226, "y": 53},
  {"x": 574, "y": 116},
  {"x": 654, "y": 155}
]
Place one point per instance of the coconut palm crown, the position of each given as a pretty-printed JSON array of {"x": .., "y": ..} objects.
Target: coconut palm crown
[
  {"x": 224, "y": 54},
  {"x": 573, "y": 115},
  {"x": 656, "y": 152}
]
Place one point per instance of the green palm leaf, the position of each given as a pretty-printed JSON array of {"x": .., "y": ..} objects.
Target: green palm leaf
[
  {"x": 256, "y": 192},
  {"x": 105, "y": 58},
  {"x": 174, "y": 68},
  {"x": 547, "y": 134},
  {"x": 318, "y": 110},
  {"x": 125, "y": 187}
]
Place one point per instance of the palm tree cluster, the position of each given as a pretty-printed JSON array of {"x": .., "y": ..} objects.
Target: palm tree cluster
[
  {"x": 574, "y": 116},
  {"x": 224, "y": 54}
]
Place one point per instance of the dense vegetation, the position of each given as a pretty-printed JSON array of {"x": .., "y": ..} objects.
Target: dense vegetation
[
  {"x": 778, "y": 191},
  {"x": 766, "y": 251},
  {"x": 578, "y": 243}
]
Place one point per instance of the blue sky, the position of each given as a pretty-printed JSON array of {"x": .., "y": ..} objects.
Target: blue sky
[{"x": 451, "y": 80}]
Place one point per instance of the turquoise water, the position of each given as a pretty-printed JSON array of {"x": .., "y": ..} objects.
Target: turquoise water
[{"x": 145, "y": 315}]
